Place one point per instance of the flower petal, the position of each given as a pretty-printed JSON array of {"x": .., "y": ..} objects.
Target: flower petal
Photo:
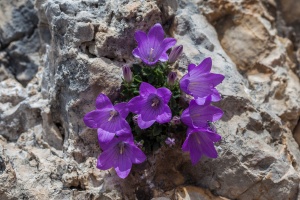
[
  {"x": 155, "y": 36},
  {"x": 146, "y": 89},
  {"x": 164, "y": 93},
  {"x": 136, "y": 53},
  {"x": 135, "y": 104},
  {"x": 123, "y": 165},
  {"x": 107, "y": 159},
  {"x": 184, "y": 83},
  {"x": 192, "y": 144},
  {"x": 104, "y": 138},
  {"x": 185, "y": 118},
  {"x": 165, "y": 116},
  {"x": 103, "y": 101},
  {"x": 201, "y": 114},
  {"x": 122, "y": 109},
  {"x": 137, "y": 155},
  {"x": 191, "y": 67},
  {"x": 215, "y": 96},
  {"x": 95, "y": 118},
  {"x": 166, "y": 44},
  {"x": 207, "y": 146},
  {"x": 144, "y": 124},
  {"x": 205, "y": 65},
  {"x": 164, "y": 57}
]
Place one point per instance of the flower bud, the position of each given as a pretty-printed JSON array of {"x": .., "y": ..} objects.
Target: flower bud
[
  {"x": 172, "y": 76},
  {"x": 135, "y": 119},
  {"x": 175, "y": 53},
  {"x": 175, "y": 120},
  {"x": 127, "y": 73}
]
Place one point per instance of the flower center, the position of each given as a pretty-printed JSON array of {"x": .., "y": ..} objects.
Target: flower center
[
  {"x": 113, "y": 113},
  {"x": 150, "y": 57},
  {"x": 155, "y": 102},
  {"x": 121, "y": 147}
]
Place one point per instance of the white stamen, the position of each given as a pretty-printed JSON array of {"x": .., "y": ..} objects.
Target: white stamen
[
  {"x": 150, "y": 58},
  {"x": 121, "y": 145},
  {"x": 155, "y": 102},
  {"x": 112, "y": 113}
]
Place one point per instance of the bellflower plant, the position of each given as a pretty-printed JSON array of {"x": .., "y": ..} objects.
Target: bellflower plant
[{"x": 156, "y": 108}]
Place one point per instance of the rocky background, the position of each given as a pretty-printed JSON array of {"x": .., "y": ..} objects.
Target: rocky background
[{"x": 57, "y": 56}]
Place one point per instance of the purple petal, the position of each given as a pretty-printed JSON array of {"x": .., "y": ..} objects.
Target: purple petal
[
  {"x": 191, "y": 67},
  {"x": 138, "y": 155},
  {"x": 164, "y": 93},
  {"x": 104, "y": 138},
  {"x": 143, "y": 47},
  {"x": 164, "y": 57},
  {"x": 185, "y": 118},
  {"x": 214, "y": 79},
  {"x": 140, "y": 37},
  {"x": 201, "y": 114},
  {"x": 165, "y": 116},
  {"x": 123, "y": 164},
  {"x": 95, "y": 118},
  {"x": 207, "y": 146},
  {"x": 144, "y": 124},
  {"x": 135, "y": 104},
  {"x": 122, "y": 109},
  {"x": 203, "y": 101},
  {"x": 205, "y": 65},
  {"x": 155, "y": 36},
  {"x": 103, "y": 101},
  {"x": 136, "y": 53},
  {"x": 107, "y": 159},
  {"x": 192, "y": 144},
  {"x": 184, "y": 83},
  {"x": 214, "y": 137},
  {"x": 166, "y": 44},
  {"x": 215, "y": 95},
  {"x": 146, "y": 89}
]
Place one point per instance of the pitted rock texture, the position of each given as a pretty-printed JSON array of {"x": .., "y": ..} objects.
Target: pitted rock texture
[{"x": 57, "y": 56}]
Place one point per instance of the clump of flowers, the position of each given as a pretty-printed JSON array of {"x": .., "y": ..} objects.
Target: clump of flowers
[{"x": 152, "y": 110}]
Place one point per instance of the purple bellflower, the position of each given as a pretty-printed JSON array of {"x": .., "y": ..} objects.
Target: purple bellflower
[
  {"x": 120, "y": 154},
  {"x": 200, "y": 141},
  {"x": 152, "y": 47},
  {"x": 197, "y": 116},
  {"x": 200, "y": 83},
  {"x": 108, "y": 119},
  {"x": 151, "y": 105}
]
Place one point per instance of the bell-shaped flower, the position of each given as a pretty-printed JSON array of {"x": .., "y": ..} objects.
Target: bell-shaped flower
[
  {"x": 120, "y": 154},
  {"x": 197, "y": 116},
  {"x": 108, "y": 119},
  {"x": 200, "y": 142},
  {"x": 152, "y": 47},
  {"x": 200, "y": 83},
  {"x": 151, "y": 105}
]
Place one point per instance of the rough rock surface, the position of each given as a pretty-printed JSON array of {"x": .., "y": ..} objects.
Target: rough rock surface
[{"x": 46, "y": 152}]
